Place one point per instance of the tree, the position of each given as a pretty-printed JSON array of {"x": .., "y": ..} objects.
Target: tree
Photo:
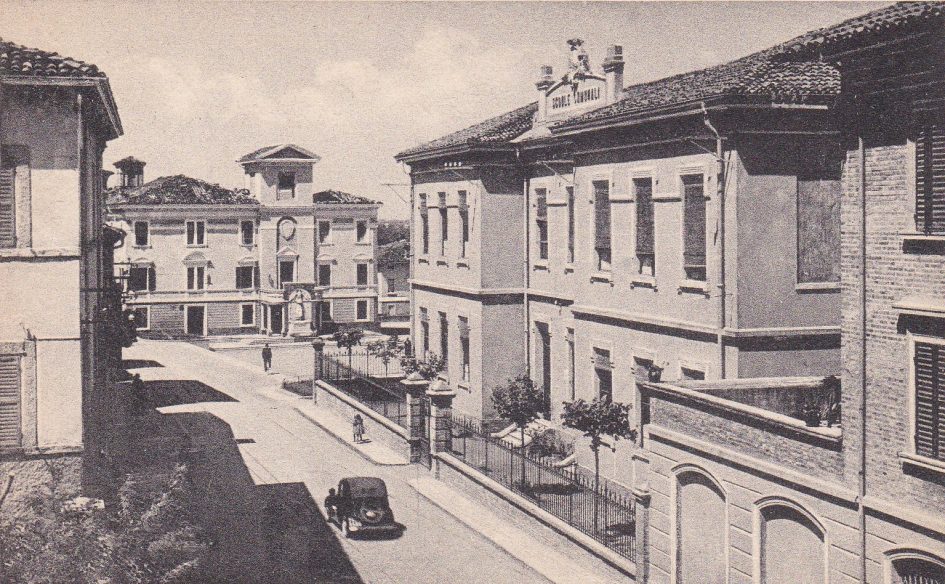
[
  {"x": 520, "y": 402},
  {"x": 347, "y": 339},
  {"x": 597, "y": 419},
  {"x": 386, "y": 350},
  {"x": 428, "y": 368}
]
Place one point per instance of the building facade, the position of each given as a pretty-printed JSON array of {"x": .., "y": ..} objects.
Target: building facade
[
  {"x": 56, "y": 117},
  {"x": 274, "y": 258}
]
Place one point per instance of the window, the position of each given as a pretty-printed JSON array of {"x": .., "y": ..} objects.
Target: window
[
  {"x": 691, "y": 374},
  {"x": 918, "y": 568},
  {"x": 195, "y": 278},
  {"x": 694, "y": 227},
  {"x": 196, "y": 231},
  {"x": 930, "y": 180},
  {"x": 641, "y": 368},
  {"x": 464, "y": 222},
  {"x": 141, "y": 233},
  {"x": 7, "y": 202},
  {"x": 464, "y": 346},
  {"x": 818, "y": 218},
  {"x": 424, "y": 332},
  {"x": 541, "y": 222},
  {"x": 544, "y": 358},
  {"x": 286, "y": 188},
  {"x": 246, "y": 277},
  {"x": 444, "y": 224},
  {"x": 929, "y": 414},
  {"x": 571, "y": 364},
  {"x": 142, "y": 317},
  {"x": 361, "y": 309},
  {"x": 602, "y": 224},
  {"x": 247, "y": 315},
  {"x": 361, "y": 231},
  {"x": 603, "y": 376},
  {"x": 324, "y": 232},
  {"x": 9, "y": 402},
  {"x": 362, "y": 274},
  {"x": 424, "y": 225},
  {"x": 785, "y": 526},
  {"x": 325, "y": 310},
  {"x": 286, "y": 271},
  {"x": 141, "y": 278},
  {"x": 324, "y": 274},
  {"x": 444, "y": 340},
  {"x": 570, "y": 195},
  {"x": 646, "y": 235},
  {"x": 247, "y": 232}
]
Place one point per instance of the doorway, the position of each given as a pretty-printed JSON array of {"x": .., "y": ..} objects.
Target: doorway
[
  {"x": 275, "y": 318},
  {"x": 196, "y": 321},
  {"x": 544, "y": 347}
]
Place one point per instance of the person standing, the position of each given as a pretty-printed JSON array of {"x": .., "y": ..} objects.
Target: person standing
[
  {"x": 357, "y": 428},
  {"x": 408, "y": 348},
  {"x": 267, "y": 357}
]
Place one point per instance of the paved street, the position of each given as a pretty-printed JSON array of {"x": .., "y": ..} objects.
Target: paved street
[{"x": 292, "y": 463}]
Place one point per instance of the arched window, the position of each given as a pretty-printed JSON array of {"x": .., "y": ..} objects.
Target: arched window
[
  {"x": 915, "y": 567},
  {"x": 701, "y": 527},
  {"x": 793, "y": 546}
]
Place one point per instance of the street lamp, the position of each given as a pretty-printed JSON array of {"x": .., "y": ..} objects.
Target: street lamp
[{"x": 318, "y": 346}]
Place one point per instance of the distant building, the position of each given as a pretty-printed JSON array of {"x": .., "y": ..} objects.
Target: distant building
[
  {"x": 272, "y": 258},
  {"x": 56, "y": 361},
  {"x": 393, "y": 275}
]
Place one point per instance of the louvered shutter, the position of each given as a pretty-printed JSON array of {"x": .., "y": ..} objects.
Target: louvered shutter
[
  {"x": 9, "y": 402},
  {"x": 694, "y": 216},
  {"x": 601, "y": 215},
  {"x": 930, "y": 400},
  {"x": 644, "y": 200},
  {"x": 7, "y": 205},
  {"x": 152, "y": 279},
  {"x": 930, "y": 180}
]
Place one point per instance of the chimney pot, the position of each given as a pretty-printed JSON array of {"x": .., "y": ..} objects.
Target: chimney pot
[
  {"x": 613, "y": 72},
  {"x": 615, "y": 53}
]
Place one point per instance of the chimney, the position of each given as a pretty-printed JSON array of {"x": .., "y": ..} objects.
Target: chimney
[
  {"x": 545, "y": 81},
  {"x": 131, "y": 171},
  {"x": 613, "y": 73}
]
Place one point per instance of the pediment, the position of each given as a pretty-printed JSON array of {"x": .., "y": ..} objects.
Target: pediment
[
  {"x": 287, "y": 252},
  {"x": 196, "y": 258}
]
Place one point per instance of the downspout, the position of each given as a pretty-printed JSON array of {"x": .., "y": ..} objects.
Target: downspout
[
  {"x": 861, "y": 509},
  {"x": 526, "y": 275},
  {"x": 410, "y": 269},
  {"x": 720, "y": 192}
]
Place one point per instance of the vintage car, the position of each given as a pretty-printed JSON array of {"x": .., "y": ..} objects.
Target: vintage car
[{"x": 361, "y": 506}]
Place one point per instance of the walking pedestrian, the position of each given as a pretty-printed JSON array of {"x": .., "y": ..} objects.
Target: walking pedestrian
[
  {"x": 267, "y": 357},
  {"x": 357, "y": 428}
]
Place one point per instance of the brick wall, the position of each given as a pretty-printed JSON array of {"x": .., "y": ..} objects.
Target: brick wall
[
  {"x": 166, "y": 319},
  {"x": 224, "y": 318}
]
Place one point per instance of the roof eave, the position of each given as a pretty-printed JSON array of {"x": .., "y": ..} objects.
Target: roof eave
[
  {"x": 463, "y": 148},
  {"x": 100, "y": 84}
]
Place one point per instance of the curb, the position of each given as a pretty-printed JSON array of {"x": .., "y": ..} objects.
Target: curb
[{"x": 345, "y": 442}]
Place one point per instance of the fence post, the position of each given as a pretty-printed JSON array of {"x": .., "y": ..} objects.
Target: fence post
[
  {"x": 441, "y": 405},
  {"x": 415, "y": 386},
  {"x": 641, "y": 512}
]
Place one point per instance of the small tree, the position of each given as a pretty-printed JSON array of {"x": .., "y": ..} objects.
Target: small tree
[
  {"x": 429, "y": 368},
  {"x": 597, "y": 419},
  {"x": 386, "y": 350},
  {"x": 347, "y": 339},
  {"x": 520, "y": 401}
]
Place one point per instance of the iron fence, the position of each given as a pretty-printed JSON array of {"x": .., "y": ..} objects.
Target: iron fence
[
  {"x": 384, "y": 395},
  {"x": 602, "y": 511}
]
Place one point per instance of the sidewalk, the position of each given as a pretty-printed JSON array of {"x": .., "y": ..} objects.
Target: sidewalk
[
  {"x": 514, "y": 541},
  {"x": 340, "y": 429}
]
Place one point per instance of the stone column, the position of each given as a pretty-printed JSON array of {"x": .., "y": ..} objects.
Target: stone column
[
  {"x": 441, "y": 405},
  {"x": 415, "y": 386},
  {"x": 641, "y": 497}
]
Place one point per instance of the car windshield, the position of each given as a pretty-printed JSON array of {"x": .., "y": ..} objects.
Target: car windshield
[{"x": 372, "y": 502}]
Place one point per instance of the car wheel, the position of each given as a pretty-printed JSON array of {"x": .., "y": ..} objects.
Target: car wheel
[{"x": 345, "y": 530}]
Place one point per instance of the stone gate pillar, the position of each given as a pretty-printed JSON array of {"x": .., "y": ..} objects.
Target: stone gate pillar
[
  {"x": 416, "y": 386},
  {"x": 641, "y": 497},
  {"x": 441, "y": 405}
]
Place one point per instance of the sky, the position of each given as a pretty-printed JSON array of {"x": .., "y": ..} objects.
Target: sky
[{"x": 199, "y": 84}]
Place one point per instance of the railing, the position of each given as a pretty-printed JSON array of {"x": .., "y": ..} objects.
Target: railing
[
  {"x": 384, "y": 395},
  {"x": 604, "y": 513}
]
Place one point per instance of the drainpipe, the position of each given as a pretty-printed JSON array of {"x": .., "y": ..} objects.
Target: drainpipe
[
  {"x": 720, "y": 192},
  {"x": 410, "y": 268},
  {"x": 861, "y": 509},
  {"x": 526, "y": 274}
]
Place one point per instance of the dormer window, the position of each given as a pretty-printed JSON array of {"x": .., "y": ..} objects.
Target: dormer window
[{"x": 286, "y": 188}]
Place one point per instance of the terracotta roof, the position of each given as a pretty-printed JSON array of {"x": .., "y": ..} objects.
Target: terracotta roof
[
  {"x": 178, "y": 190},
  {"x": 759, "y": 75},
  {"x": 494, "y": 130},
  {"x": 333, "y": 197},
  {"x": 872, "y": 25},
  {"x": 267, "y": 151},
  {"x": 17, "y": 60}
]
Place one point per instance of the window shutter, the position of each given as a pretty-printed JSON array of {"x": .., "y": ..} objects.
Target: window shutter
[
  {"x": 930, "y": 180},
  {"x": 463, "y": 328},
  {"x": 7, "y": 205},
  {"x": 541, "y": 202},
  {"x": 601, "y": 215},
  {"x": 152, "y": 279},
  {"x": 694, "y": 214},
  {"x": 9, "y": 402},
  {"x": 930, "y": 400},
  {"x": 644, "y": 199}
]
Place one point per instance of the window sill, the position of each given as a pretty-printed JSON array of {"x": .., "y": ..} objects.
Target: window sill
[
  {"x": 248, "y": 325},
  {"x": 907, "y": 458},
  {"x": 540, "y": 265},
  {"x": 569, "y": 268},
  {"x": 915, "y": 236},
  {"x": 146, "y": 246},
  {"x": 443, "y": 262},
  {"x": 326, "y": 243},
  {"x": 365, "y": 243},
  {"x": 817, "y": 287},
  {"x": 248, "y": 245},
  {"x": 197, "y": 245},
  {"x": 462, "y": 264},
  {"x": 605, "y": 277},
  {"x": 463, "y": 385},
  {"x": 643, "y": 281},
  {"x": 423, "y": 260},
  {"x": 694, "y": 286},
  {"x": 919, "y": 243}
]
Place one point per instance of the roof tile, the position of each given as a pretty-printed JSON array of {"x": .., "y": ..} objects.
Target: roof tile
[
  {"x": 338, "y": 197},
  {"x": 178, "y": 190},
  {"x": 17, "y": 60}
]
